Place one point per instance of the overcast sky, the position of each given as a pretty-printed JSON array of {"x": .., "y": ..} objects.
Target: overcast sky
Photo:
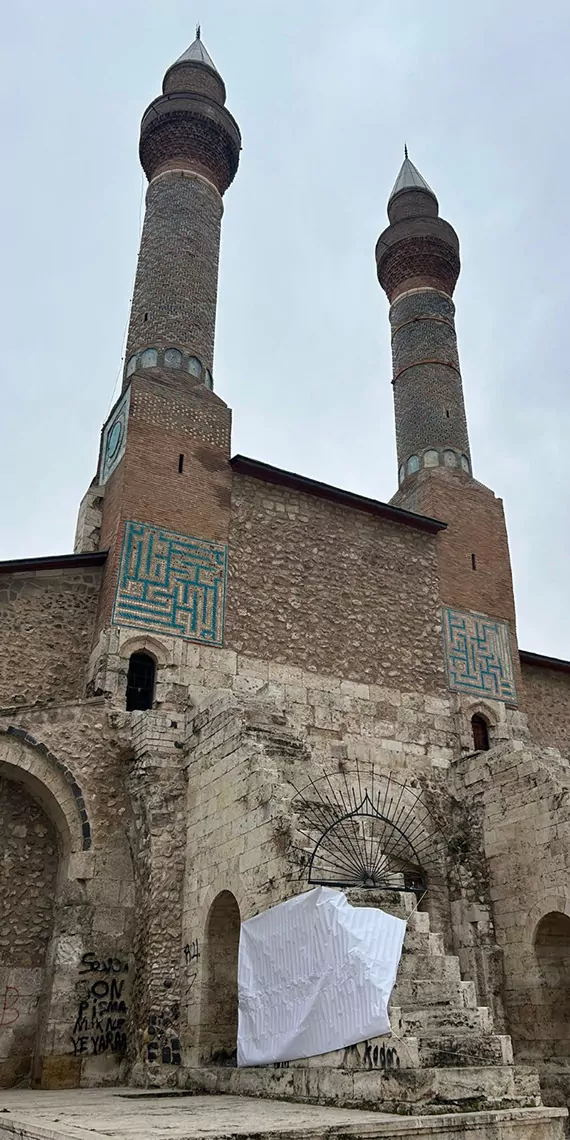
[{"x": 325, "y": 92}]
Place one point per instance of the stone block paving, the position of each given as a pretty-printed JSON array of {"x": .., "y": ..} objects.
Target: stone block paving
[{"x": 123, "y": 1114}]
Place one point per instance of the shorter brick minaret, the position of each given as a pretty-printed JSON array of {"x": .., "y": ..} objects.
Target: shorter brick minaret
[{"x": 418, "y": 264}]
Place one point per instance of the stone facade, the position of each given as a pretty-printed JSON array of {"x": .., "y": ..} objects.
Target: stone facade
[
  {"x": 48, "y": 622},
  {"x": 547, "y": 701},
  {"x": 229, "y": 640}
]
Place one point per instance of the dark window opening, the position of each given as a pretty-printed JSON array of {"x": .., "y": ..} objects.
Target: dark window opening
[
  {"x": 480, "y": 730},
  {"x": 140, "y": 682},
  {"x": 473, "y": 562},
  {"x": 146, "y": 316},
  {"x": 180, "y": 464},
  {"x": 447, "y": 412}
]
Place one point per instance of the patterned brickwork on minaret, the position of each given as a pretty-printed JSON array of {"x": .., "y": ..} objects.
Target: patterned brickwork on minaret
[
  {"x": 189, "y": 149},
  {"x": 418, "y": 265}
]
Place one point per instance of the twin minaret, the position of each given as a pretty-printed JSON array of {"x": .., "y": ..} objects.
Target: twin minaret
[
  {"x": 418, "y": 265},
  {"x": 189, "y": 149}
]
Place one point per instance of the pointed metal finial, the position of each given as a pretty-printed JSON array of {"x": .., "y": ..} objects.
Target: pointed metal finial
[
  {"x": 405, "y": 150},
  {"x": 198, "y": 30}
]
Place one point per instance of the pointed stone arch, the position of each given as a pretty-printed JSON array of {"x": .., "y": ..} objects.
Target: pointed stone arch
[{"x": 51, "y": 782}]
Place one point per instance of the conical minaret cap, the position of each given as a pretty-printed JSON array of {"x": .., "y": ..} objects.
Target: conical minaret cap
[
  {"x": 197, "y": 53},
  {"x": 195, "y": 71},
  {"x": 411, "y": 194}
]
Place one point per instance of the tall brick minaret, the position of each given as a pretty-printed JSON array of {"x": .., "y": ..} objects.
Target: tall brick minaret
[
  {"x": 418, "y": 264},
  {"x": 163, "y": 481},
  {"x": 189, "y": 150}
]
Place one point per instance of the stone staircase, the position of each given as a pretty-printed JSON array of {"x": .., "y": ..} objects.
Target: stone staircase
[
  {"x": 443, "y": 1053},
  {"x": 442, "y": 1056}
]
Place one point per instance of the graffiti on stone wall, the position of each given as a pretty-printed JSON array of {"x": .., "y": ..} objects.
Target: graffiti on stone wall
[
  {"x": 102, "y": 1008},
  {"x": 9, "y": 1007},
  {"x": 366, "y": 1055},
  {"x": 162, "y": 1040},
  {"x": 191, "y": 952},
  {"x": 191, "y": 956}
]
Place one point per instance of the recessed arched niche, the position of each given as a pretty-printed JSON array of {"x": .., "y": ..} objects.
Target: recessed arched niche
[{"x": 149, "y": 358}]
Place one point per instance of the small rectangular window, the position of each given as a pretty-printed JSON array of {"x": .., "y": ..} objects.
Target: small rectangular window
[
  {"x": 473, "y": 562},
  {"x": 180, "y": 464}
]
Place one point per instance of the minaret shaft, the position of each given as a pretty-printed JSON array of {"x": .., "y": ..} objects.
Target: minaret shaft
[
  {"x": 176, "y": 285},
  {"x": 431, "y": 426}
]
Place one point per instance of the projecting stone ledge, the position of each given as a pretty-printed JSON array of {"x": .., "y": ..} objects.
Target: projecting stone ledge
[{"x": 86, "y": 1114}]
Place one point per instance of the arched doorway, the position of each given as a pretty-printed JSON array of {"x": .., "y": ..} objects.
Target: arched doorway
[
  {"x": 219, "y": 1012},
  {"x": 552, "y": 949},
  {"x": 29, "y": 861}
]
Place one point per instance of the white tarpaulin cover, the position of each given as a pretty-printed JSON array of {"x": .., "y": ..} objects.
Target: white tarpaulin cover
[{"x": 314, "y": 974}]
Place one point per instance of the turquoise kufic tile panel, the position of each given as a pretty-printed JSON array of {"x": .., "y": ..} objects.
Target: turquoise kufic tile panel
[
  {"x": 171, "y": 584},
  {"x": 114, "y": 437},
  {"x": 478, "y": 656}
]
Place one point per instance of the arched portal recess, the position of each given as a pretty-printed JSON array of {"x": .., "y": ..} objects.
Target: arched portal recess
[
  {"x": 551, "y": 1017},
  {"x": 219, "y": 1007},
  {"x": 28, "y": 884}
]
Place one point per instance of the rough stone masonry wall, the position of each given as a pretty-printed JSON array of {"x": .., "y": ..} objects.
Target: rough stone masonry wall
[
  {"x": 323, "y": 587},
  {"x": 547, "y": 704},
  {"x": 522, "y": 795},
  {"x": 47, "y": 620},
  {"x": 28, "y": 873},
  {"x": 71, "y": 760}
]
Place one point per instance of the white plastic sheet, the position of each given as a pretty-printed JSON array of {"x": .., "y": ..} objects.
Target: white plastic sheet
[{"x": 314, "y": 974}]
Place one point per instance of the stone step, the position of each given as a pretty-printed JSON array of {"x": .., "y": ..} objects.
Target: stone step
[
  {"x": 428, "y": 1052},
  {"x": 430, "y": 967},
  {"x": 461, "y": 1087},
  {"x": 422, "y": 942},
  {"x": 419, "y": 993},
  {"x": 421, "y": 1022},
  {"x": 419, "y": 920},
  {"x": 443, "y": 1050},
  {"x": 391, "y": 1088}
]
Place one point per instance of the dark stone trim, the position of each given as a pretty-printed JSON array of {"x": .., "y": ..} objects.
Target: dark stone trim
[
  {"x": 264, "y": 471},
  {"x": 544, "y": 662},
  {"x": 27, "y": 738},
  {"x": 55, "y": 562}
]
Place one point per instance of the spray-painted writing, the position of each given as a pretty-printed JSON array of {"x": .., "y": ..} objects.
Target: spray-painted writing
[
  {"x": 9, "y": 1008},
  {"x": 102, "y": 1008},
  {"x": 191, "y": 951}
]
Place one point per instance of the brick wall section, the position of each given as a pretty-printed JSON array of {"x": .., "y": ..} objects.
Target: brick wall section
[
  {"x": 547, "y": 704},
  {"x": 331, "y": 589},
  {"x": 475, "y": 525},
  {"x": 175, "y": 293},
  {"x": 169, "y": 416},
  {"x": 46, "y": 631}
]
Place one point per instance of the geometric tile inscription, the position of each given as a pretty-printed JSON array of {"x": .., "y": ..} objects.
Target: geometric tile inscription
[
  {"x": 478, "y": 656},
  {"x": 172, "y": 584}
]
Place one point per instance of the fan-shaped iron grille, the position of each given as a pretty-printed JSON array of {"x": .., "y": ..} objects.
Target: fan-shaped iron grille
[{"x": 364, "y": 829}]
